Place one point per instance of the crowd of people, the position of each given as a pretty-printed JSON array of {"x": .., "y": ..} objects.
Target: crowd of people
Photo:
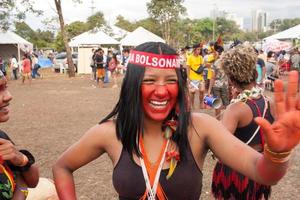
[
  {"x": 27, "y": 68},
  {"x": 108, "y": 65},
  {"x": 155, "y": 140}
]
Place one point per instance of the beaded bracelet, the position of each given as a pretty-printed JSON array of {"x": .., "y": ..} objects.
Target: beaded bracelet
[{"x": 281, "y": 157}]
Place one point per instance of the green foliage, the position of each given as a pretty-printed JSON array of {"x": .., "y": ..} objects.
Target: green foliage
[
  {"x": 149, "y": 24},
  {"x": 10, "y": 13},
  {"x": 37, "y": 38},
  {"x": 76, "y": 28},
  {"x": 166, "y": 12},
  {"x": 95, "y": 20},
  {"x": 59, "y": 44},
  {"x": 124, "y": 23},
  {"x": 278, "y": 25},
  {"x": 25, "y": 31},
  {"x": 202, "y": 29}
]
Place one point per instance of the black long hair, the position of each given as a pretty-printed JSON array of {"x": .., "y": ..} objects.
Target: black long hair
[{"x": 129, "y": 114}]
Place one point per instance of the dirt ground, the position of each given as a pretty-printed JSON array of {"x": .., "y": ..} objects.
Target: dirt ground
[{"x": 54, "y": 112}]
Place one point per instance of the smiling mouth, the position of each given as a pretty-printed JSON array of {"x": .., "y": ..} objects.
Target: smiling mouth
[{"x": 158, "y": 104}]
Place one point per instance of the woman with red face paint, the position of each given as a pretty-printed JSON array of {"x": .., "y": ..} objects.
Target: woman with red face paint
[
  {"x": 158, "y": 147},
  {"x": 17, "y": 169}
]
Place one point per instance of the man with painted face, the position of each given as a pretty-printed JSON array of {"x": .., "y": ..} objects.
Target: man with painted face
[
  {"x": 17, "y": 169},
  {"x": 158, "y": 147}
]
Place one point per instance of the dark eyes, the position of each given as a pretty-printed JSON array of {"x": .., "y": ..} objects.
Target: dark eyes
[{"x": 153, "y": 81}]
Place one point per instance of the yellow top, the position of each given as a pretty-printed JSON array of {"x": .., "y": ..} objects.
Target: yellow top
[{"x": 193, "y": 62}]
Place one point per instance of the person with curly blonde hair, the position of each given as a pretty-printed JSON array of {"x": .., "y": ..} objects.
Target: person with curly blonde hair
[{"x": 239, "y": 64}]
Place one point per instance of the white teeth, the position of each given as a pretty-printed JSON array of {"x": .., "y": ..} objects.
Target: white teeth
[{"x": 159, "y": 103}]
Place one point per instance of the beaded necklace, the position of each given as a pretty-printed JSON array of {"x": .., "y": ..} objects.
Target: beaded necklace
[{"x": 254, "y": 93}]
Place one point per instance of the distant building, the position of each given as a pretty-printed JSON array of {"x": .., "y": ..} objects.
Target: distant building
[
  {"x": 259, "y": 20},
  {"x": 216, "y": 13}
]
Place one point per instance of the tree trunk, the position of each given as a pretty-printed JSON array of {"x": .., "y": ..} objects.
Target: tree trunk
[{"x": 65, "y": 39}]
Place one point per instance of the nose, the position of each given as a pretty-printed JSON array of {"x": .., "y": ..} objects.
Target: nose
[{"x": 161, "y": 91}]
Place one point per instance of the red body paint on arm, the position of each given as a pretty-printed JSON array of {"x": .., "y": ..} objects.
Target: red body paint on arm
[{"x": 270, "y": 173}]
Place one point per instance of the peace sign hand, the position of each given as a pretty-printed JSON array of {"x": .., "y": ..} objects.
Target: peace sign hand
[{"x": 284, "y": 134}]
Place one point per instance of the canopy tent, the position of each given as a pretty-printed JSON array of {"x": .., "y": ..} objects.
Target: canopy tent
[
  {"x": 11, "y": 43},
  {"x": 92, "y": 38},
  {"x": 289, "y": 34},
  {"x": 139, "y": 36},
  {"x": 118, "y": 33},
  {"x": 85, "y": 42},
  {"x": 276, "y": 45}
]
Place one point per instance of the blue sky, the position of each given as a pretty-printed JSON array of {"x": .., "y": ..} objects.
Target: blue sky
[{"x": 136, "y": 9}]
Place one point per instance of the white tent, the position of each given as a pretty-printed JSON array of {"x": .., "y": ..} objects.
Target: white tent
[
  {"x": 11, "y": 43},
  {"x": 139, "y": 36},
  {"x": 118, "y": 33},
  {"x": 92, "y": 38},
  {"x": 289, "y": 34},
  {"x": 85, "y": 42}
]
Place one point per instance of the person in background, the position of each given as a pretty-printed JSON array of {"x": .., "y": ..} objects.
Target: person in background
[
  {"x": 124, "y": 59},
  {"x": 113, "y": 66},
  {"x": 100, "y": 67},
  {"x": 92, "y": 65},
  {"x": 196, "y": 82},
  {"x": 272, "y": 71},
  {"x": 219, "y": 86},
  {"x": 2, "y": 66},
  {"x": 261, "y": 70},
  {"x": 158, "y": 148},
  {"x": 26, "y": 69},
  {"x": 14, "y": 67},
  {"x": 17, "y": 168},
  {"x": 106, "y": 59},
  {"x": 295, "y": 60},
  {"x": 240, "y": 119},
  {"x": 35, "y": 66}
]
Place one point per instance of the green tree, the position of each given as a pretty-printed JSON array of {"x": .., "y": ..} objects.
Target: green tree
[
  {"x": 22, "y": 29},
  {"x": 124, "y": 23},
  {"x": 96, "y": 20},
  {"x": 44, "y": 39},
  {"x": 166, "y": 12},
  {"x": 202, "y": 30},
  {"x": 10, "y": 12},
  {"x": 278, "y": 25},
  {"x": 76, "y": 28},
  {"x": 226, "y": 28},
  {"x": 149, "y": 24}
]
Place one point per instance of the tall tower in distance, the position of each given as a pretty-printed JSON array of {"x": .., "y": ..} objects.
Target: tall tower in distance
[
  {"x": 259, "y": 20},
  {"x": 92, "y": 7}
]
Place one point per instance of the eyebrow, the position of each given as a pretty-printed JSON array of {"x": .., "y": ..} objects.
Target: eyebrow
[{"x": 168, "y": 76}]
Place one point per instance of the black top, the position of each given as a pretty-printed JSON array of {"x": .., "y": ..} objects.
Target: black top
[
  {"x": 246, "y": 132},
  {"x": 184, "y": 184}
]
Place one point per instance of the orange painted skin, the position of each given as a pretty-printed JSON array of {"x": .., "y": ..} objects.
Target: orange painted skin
[{"x": 284, "y": 134}]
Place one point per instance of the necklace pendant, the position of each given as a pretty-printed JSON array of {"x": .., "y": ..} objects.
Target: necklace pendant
[{"x": 168, "y": 132}]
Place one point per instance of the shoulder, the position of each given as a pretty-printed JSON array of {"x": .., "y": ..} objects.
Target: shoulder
[
  {"x": 202, "y": 122},
  {"x": 103, "y": 130}
]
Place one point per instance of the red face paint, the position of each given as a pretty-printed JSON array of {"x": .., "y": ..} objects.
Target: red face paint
[{"x": 159, "y": 95}]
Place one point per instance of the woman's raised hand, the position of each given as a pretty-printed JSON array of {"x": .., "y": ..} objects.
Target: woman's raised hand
[{"x": 284, "y": 134}]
